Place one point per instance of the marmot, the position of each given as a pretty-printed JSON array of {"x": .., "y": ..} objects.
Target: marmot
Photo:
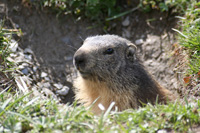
[{"x": 110, "y": 70}]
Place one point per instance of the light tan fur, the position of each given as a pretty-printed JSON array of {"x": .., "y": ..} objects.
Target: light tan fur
[{"x": 88, "y": 91}]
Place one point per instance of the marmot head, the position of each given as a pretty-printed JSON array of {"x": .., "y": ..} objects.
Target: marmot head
[{"x": 104, "y": 55}]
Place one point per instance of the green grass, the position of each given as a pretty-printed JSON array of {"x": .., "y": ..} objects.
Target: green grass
[
  {"x": 106, "y": 10},
  {"x": 178, "y": 6},
  {"x": 4, "y": 49},
  {"x": 25, "y": 112},
  {"x": 7, "y": 67},
  {"x": 190, "y": 35},
  {"x": 92, "y": 9}
]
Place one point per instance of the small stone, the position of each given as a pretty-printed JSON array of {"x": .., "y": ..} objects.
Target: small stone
[
  {"x": 126, "y": 33},
  {"x": 28, "y": 51},
  {"x": 162, "y": 131},
  {"x": 64, "y": 91},
  {"x": 143, "y": 36},
  {"x": 39, "y": 84},
  {"x": 35, "y": 68},
  {"x": 25, "y": 71},
  {"x": 47, "y": 78},
  {"x": 47, "y": 92},
  {"x": 25, "y": 64},
  {"x": 126, "y": 22},
  {"x": 17, "y": 26},
  {"x": 16, "y": 8},
  {"x": 57, "y": 131},
  {"x": 58, "y": 86},
  {"x": 43, "y": 74},
  {"x": 36, "y": 92},
  {"x": 19, "y": 59},
  {"x": 139, "y": 41},
  {"x": 148, "y": 62},
  {"x": 46, "y": 85},
  {"x": 13, "y": 55},
  {"x": 13, "y": 45},
  {"x": 29, "y": 57}
]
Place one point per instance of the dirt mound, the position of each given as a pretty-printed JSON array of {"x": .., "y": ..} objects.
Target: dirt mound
[{"x": 54, "y": 41}]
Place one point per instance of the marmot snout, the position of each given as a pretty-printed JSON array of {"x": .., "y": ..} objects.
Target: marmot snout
[{"x": 110, "y": 70}]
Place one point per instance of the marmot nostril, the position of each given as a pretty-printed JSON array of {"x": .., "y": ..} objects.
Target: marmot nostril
[{"x": 80, "y": 62}]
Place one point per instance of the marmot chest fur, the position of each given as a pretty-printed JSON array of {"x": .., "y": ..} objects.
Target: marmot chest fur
[{"x": 110, "y": 71}]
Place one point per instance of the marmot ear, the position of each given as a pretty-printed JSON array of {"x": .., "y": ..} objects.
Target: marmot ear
[{"x": 130, "y": 53}]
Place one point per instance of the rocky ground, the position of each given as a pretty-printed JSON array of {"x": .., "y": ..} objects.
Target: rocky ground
[{"x": 45, "y": 51}]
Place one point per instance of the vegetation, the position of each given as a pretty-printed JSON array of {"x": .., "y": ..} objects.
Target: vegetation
[
  {"x": 101, "y": 10},
  {"x": 178, "y": 6},
  {"x": 22, "y": 111},
  {"x": 6, "y": 65},
  {"x": 190, "y": 35},
  {"x": 93, "y": 9}
]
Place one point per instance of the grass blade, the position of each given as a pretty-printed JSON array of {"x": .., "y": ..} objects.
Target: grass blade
[
  {"x": 19, "y": 99},
  {"x": 179, "y": 32},
  {"x": 6, "y": 103},
  {"x": 14, "y": 113},
  {"x": 122, "y": 14}
]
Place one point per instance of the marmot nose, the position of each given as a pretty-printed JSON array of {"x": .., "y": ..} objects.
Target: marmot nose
[{"x": 80, "y": 62}]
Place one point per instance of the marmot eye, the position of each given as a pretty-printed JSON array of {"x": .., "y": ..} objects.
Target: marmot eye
[{"x": 109, "y": 51}]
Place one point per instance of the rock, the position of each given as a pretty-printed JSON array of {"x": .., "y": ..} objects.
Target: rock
[
  {"x": 126, "y": 22},
  {"x": 47, "y": 85},
  {"x": 143, "y": 36},
  {"x": 36, "y": 92},
  {"x": 16, "y": 8},
  {"x": 47, "y": 78},
  {"x": 19, "y": 58},
  {"x": 29, "y": 57},
  {"x": 25, "y": 71},
  {"x": 39, "y": 84},
  {"x": 35, "y": 68},
  {"x": 57, "y": 131},
  {"x": 58, "y": 86},
  {"x": 162, "y": 131},
  {"x": 47, "y": 92},
  {"x": 72, "y": 76},
  {"x": 17, "y": 26},
  {"x": 148, "y": 62},
  {"x": 13, "y": 55},
  {"x": 13, "y": 45},
  {"x": 28, "y": 51},
  {"x": 43, "y": 74},
  {"x": 139, "y": 41},
  {"x": 126, "y": 33},
  {"x": 64, "y": 91}
]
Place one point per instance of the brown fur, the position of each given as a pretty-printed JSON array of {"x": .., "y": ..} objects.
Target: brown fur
[
  {"x": 126, "y": 83},
  {"x": 89, "y": 91}
]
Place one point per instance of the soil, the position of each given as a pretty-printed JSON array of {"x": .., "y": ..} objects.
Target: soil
[{"x": 54, "y": 40}]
